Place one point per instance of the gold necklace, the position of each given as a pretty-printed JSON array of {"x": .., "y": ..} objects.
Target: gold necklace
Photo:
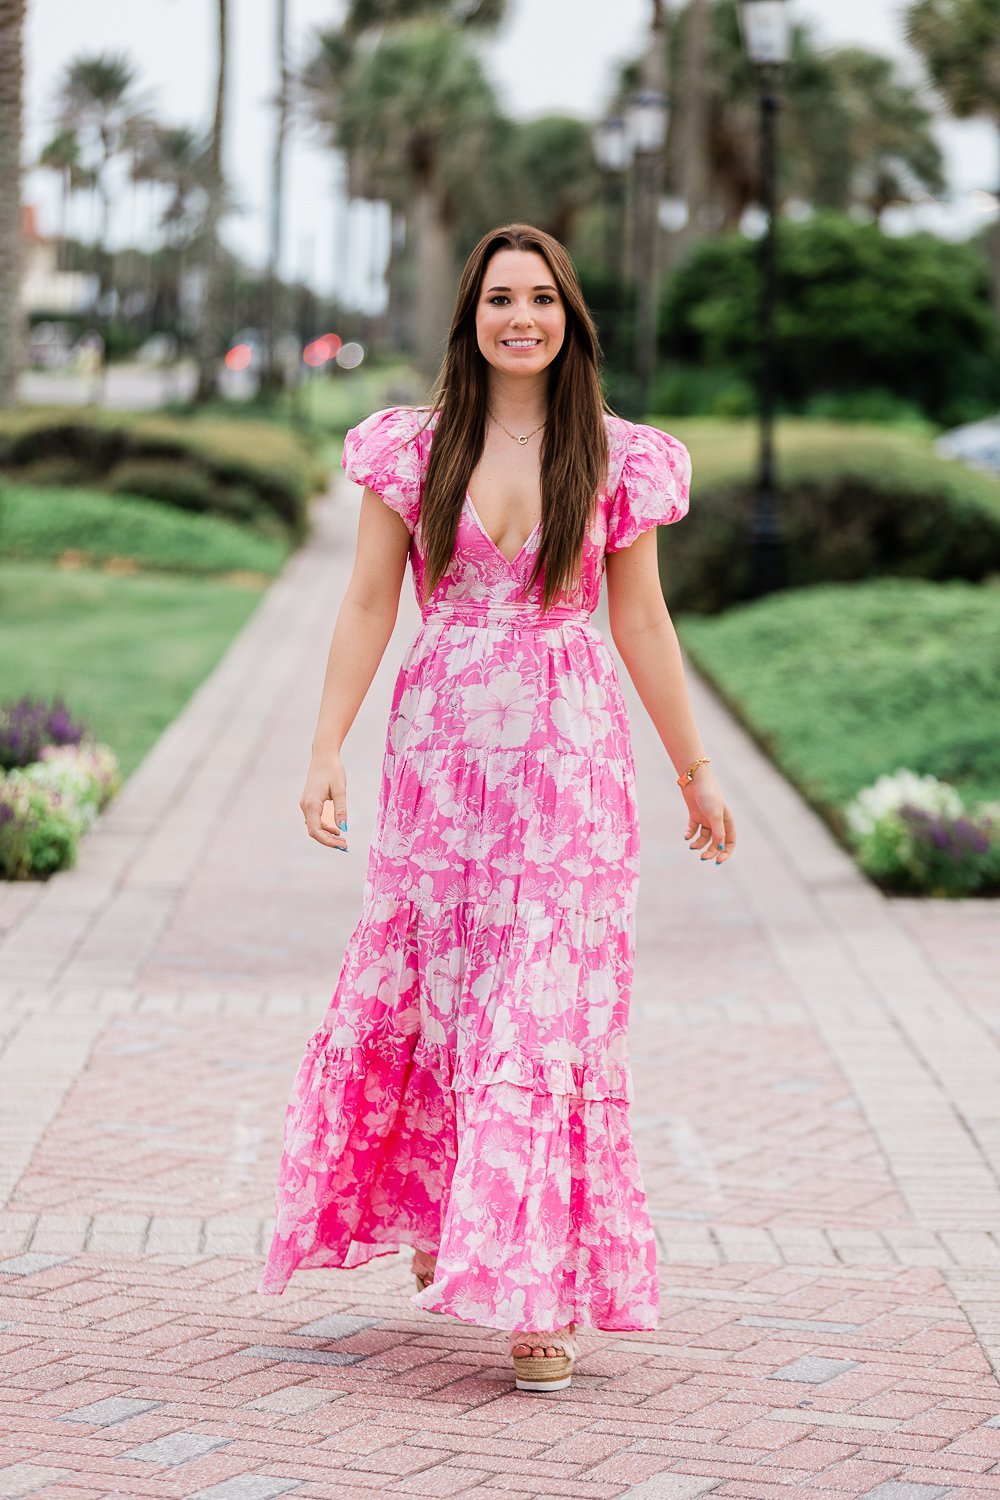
[{"x": 522, "y": 439}]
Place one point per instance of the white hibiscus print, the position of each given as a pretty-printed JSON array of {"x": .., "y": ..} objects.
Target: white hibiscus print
[
  {"x": 414, "y": 719},
  {"x": 499, "y": 712},
  {"x": 579, "y": 712}
]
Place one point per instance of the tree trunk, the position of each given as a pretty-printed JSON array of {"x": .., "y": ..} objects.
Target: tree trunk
[
  {"x": 12, "y": 321},
  {"x": 212, "y": 326},
  {"x": 694, "y": 122},
  {"x": 435, "y": 287},
  {"x": 649, "y": 188},
  {"x": 398, "y": 284},
  {"x": 995, "y": 244},
  {"x": 272, "y": 379}
]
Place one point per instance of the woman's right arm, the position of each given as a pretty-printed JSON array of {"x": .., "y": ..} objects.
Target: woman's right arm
[{"x": 364, "y": 625}]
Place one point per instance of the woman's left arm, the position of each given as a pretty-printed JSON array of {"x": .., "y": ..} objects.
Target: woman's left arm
[{"x": 647, "y": 643}]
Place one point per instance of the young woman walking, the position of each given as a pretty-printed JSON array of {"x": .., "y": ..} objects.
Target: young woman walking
[{"x": 467, "y": 1092}]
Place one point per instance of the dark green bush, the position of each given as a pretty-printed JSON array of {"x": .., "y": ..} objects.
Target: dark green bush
[
  {"x": 238, "y": 469},
  {"x": 853, "y": 508},
  {"x": 856, "y": 310}
]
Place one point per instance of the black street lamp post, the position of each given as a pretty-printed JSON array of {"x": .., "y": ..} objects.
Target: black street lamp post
[{"x": 766, "y": 34}]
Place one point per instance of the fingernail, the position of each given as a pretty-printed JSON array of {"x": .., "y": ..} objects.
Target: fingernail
[
  {"x": 720, "y": 846},
  {"x": 343, "y": 825}
]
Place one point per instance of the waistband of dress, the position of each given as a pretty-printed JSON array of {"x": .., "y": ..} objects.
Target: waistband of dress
[{"x": 473, "y": 612}]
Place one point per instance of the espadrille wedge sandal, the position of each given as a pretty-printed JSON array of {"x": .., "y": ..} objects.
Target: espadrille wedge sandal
[
  {"x": 544, "y": 1372},
  {"x": 423, "y": 1269}
]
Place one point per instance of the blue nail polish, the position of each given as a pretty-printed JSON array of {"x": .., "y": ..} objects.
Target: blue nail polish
[
  {"x": 720, "y": 846},
  {"x": 343, "y": 825}
]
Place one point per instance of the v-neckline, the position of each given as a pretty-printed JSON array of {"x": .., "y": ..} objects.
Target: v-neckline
[{"x": 510, "y": 561}]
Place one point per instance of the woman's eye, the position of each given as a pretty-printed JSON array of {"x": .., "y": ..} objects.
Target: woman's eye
[{"x": 542, "y": 296}]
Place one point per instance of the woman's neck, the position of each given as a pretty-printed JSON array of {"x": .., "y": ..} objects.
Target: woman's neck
[{"x": 518, "y": 401}]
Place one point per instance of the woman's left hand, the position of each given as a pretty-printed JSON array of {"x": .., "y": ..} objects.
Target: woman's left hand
[{"x": 710, "y": 824}]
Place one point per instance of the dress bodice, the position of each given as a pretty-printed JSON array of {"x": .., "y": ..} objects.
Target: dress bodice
[{"x": 648, "y": 484}]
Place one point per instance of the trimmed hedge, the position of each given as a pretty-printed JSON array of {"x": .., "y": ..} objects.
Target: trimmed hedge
[
  {"x": 255, "y": 473},
  {"x": 856, "y": 503},
  {"x": 842, "y": 684},
  {"x": 47, "y": 523}
]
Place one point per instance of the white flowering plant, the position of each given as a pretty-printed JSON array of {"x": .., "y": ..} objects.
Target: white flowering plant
[
  {"x": 47, "y": 806},
  {"x": 915, "y": 834}
]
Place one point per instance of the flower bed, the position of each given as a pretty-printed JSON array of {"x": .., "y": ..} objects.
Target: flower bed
[
  {"x": 915, "y": 834},
  {"x": 55, "y": 780}
]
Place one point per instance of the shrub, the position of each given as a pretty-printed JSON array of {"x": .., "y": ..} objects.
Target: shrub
[
  {"x": 47, "y": 806},
  {"x": 856, "y": 309},
  {"x": 45, "y": 523},
  {"x": 913, "y": 834},
  {"x": 242, "y": 469},
  {"x": 854, "y": 502},
  {"x": 38, "y": 830},
  {"x": 28, "y": 726}
]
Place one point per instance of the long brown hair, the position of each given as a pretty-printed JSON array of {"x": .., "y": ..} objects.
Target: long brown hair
[{"x": 574, "y": 454}]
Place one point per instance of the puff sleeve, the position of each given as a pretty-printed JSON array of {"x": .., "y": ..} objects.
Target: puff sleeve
[
  {"x": 382, "y": 452},
  {"x": 654, "y": 488}
]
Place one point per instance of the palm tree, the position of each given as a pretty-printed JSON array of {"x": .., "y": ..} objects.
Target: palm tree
[
  {"x": 852, "y": 130},
  {"x": 62, "y": 156},
  {"x": 415, "y": 116},
  {"x": 175, "y": 157},
  {"x": 550, "y": 174},
  {"x": 97, "y": 103},
  {"x": 212, "y": 324},
  {"x": 370, "y": 101},
  {"x": 959, "y": 41},
  {"x": 271, "y": 379},
  {"x": 11, "y": 240},
  {"x": 888, "y": 131}
]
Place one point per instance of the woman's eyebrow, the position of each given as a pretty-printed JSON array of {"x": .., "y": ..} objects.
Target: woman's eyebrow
[{"x": 545, "y": 287}]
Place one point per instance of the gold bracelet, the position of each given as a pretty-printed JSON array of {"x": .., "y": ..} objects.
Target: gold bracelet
[{"x": 688, "y": 775}]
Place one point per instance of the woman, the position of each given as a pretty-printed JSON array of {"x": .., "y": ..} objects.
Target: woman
[{"x": 467, "y": 1093}]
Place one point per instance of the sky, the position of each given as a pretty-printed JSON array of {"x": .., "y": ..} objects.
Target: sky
[{"x": 551, "y": 55}]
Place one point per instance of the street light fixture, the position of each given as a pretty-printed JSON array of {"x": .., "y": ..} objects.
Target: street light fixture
[
  {"x": 612, "y": 146},
  {"x": 647, "y": 115},
  {"x": 767, "y": 36}
]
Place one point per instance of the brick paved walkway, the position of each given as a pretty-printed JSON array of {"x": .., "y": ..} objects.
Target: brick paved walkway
[{"x": 818, "y": 1116}]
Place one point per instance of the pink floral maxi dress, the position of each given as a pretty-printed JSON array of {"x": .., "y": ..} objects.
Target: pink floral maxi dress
[{"x": 467, "y": 1091}]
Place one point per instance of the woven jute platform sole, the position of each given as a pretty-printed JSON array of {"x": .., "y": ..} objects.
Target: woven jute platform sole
[{"x": 546, "y": 1374}]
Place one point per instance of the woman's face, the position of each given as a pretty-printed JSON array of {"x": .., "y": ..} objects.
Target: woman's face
[{"x": 520, "y": 316}]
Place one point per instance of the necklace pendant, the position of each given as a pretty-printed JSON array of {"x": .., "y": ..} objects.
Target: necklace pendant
[{"x": 522, "y": 440}]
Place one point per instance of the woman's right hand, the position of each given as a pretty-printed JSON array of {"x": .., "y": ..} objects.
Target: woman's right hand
[{"x": 326, "y": 781}]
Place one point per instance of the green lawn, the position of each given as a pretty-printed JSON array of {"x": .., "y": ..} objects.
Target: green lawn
[
  {"x": 841, "y": 683},
  {"x": 125, "y": 652}
]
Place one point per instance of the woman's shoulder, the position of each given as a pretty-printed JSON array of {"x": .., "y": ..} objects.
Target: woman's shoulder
[
  {"x": 636, "y": 445},
  {"x": 391, "y": 425}
]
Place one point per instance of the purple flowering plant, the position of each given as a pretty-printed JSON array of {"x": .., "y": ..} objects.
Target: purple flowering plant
[
  {"x": 916, "y": 835},
  {"x": 29, "y": 724},
  {"x": 55, "y": 779}
]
